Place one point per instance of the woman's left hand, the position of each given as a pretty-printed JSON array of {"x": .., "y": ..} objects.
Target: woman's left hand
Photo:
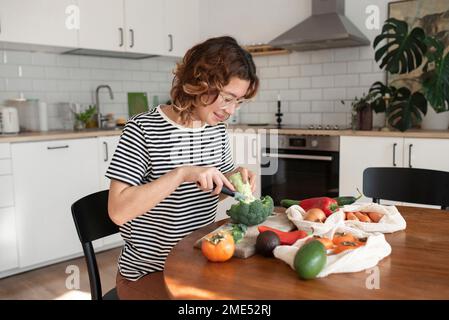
[{"x": 247, "y": 175}]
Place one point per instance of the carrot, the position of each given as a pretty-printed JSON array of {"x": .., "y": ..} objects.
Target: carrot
[
  {"x": 351, "y": 216},
  {"x": 362, "y": 217},
  {"x": 375, "y": 216},
  {"x": 343, "y": 238}
]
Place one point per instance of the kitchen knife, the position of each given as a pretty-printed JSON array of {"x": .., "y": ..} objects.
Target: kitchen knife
[{"x": 236, "y": 195}]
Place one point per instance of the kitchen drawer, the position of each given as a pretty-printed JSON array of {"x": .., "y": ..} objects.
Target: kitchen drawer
[
  {"x": 6, "y": 191},
  {"x": 8, "y": 240},
  {"x": 5, "y": 151},
  {"x": 5, "y": 166}
]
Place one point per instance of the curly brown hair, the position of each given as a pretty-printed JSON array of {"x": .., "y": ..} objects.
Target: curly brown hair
[{"x": 205, "y": 69}]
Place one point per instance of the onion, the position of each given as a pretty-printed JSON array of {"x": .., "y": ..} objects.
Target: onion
[{"x": 315, "y": 215}]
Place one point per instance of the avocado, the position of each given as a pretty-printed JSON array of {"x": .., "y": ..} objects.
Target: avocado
[
  {"x": 310, "y": 260},
  {"x": 266, "y": 242}
]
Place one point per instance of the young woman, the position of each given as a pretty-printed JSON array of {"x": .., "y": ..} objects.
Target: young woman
[{"x": 171, "y": 162}]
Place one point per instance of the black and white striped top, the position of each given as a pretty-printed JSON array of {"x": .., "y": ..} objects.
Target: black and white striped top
[{"x": 151, "y": 145}]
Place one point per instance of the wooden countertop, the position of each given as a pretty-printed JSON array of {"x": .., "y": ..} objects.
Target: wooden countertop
[
  {"x": 69, "y": 134},
  {"x": 416, "y": 269},
  {"x": 414, "y": 133}
]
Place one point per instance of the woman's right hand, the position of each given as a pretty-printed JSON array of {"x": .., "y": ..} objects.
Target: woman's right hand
[{"x": 206, "y": 178}]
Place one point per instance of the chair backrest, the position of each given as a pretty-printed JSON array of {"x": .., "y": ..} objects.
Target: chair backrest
[
  {"x": 92, "y": 222},
  {"x": 412, "y": 185}
]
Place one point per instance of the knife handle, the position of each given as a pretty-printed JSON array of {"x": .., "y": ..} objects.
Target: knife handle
[{"x": 227, "y": 191}]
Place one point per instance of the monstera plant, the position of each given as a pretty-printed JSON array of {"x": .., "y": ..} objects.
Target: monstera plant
[{"x": 400, "y": 50}]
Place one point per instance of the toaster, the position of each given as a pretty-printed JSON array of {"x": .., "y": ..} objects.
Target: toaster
[{"x": 9, "y": 120}]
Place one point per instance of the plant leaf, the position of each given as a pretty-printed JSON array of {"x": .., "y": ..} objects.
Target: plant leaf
[
  {"x": 405, "y": 107},
  {"x": 405, "y": 53},
  {"x": 435, "y": 83},
  {"x": 377, "y": 91}
]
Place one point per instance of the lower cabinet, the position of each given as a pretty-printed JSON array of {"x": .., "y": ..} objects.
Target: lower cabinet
[
  {"x": 106, "y": 149},
  {"x": 48, "y": 177},
  {"x": 8, "y": 240},
  {"x": 359, "y": 153}
]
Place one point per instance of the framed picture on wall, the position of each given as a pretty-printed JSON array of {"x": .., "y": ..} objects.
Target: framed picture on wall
[{"x": 430, "y": 15}]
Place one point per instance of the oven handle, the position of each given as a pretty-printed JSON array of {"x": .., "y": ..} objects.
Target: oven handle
[{"x": 297, "y": 156}]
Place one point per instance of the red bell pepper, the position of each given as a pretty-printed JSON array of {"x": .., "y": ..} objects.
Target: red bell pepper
[
  {"x": 328, "y": 205},
  {"x": 288, "y": 238}
]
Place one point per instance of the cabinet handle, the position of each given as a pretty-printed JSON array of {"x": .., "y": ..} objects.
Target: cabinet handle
[
  {"x": 106, "y": 152},
  {"x": 121, "y": 37},
  {"x": 410, "y": 155},
  {"x": 131, "y": 31},
  {"x": 394, "y": 154},
  {"x": 58, "y": 147},
  {"x": 170, "y": 38}
]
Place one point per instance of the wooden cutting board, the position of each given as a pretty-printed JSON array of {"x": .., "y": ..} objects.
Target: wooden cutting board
[{"x": 247, "y": 246}]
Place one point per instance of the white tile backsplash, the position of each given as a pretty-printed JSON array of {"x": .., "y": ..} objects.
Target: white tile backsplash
[
  {"x": 300, "y": 83},
  {"x": 346, "y": 54},
  {"x": 311, "y": 69},
  {"x": 59, "y": 79},
  {"x": 318, "y": 81}
]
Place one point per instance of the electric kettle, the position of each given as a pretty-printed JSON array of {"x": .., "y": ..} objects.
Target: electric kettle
[{"x": 9, "y": 120}]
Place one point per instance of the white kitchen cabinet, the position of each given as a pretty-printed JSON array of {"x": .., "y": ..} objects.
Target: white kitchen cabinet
[
  {"x": 39, "y": 22},
  {"x": 106, "y": 148},
  {"x": 8, "y": 240},
  {"x": 246, "y": 153},
  {"x": 102, "y": 25},
  {"x": 359, "y": 153},
  {"x": 8, "y": 236},
  {"x": 48, "y": 177},
  {"x": 426, "y": 153},
  {"x": 6, "y": 191},
  {"x": 145, "y": 25},
  {"x": 182, "y": 26}
]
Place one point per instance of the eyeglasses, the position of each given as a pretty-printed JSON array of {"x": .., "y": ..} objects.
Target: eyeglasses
[{"x": 229, "y": 100}]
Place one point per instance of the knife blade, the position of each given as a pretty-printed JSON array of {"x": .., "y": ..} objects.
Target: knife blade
[{"x": 236, "y": 195}]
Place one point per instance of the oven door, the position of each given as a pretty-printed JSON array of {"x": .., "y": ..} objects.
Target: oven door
[{"x": 300, "y": 174}]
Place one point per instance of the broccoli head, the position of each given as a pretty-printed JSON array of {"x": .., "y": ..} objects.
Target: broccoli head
[{"x": 251, "y": 213}]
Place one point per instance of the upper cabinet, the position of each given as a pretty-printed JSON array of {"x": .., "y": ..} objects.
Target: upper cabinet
[
  {"x": 39, "y": 22},
  {"x": 102, "y": 25},
  {"x": 152, "y": 27},
  {"x": 182, "y": 26},
  {"x": 145, "y": 26},
  {"x": 157, "y": 27}
]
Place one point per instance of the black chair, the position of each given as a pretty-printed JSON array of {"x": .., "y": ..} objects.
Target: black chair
[
  {"x": 92, "y": 222},
  {"x": 413, "y": 185}
]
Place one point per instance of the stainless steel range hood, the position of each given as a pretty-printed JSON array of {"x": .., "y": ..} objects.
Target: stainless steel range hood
[{"x": 327, "y": 27}]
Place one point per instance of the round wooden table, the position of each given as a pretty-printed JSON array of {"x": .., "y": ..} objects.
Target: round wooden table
[{"x": 418, "y": 268}]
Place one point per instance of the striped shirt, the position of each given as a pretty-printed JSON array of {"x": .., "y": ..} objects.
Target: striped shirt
[{"x": 151, "y": 145}]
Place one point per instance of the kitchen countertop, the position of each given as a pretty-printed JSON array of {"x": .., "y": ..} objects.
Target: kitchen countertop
[
  {"x": 57, "y": 135},
  {"x": 413, "y": 133},
  {"x": 70, "y": 134}
]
